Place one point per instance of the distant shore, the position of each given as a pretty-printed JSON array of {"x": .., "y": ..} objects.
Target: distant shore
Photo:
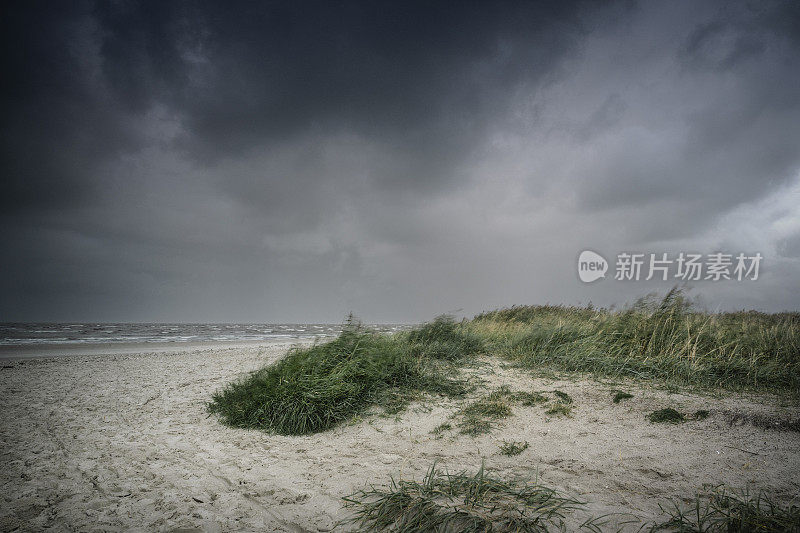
[{"x": 36, "y": 351}]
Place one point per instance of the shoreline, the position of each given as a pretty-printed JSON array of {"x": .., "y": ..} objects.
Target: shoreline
[{"x": 19, "y": 352}]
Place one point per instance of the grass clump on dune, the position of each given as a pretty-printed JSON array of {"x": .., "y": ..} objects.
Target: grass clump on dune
[
  {"x": 478, "y": 416},
  {"x": 460, "y": 502},
  {"x": 667, "y": 415},
  {"x": 511, "y": 448},
  {"x": 621, "y": 395},
  {"x": 655, "y": 339},
  {"x": 480, "y": 503},
  {"x": 313, "y": 389}
]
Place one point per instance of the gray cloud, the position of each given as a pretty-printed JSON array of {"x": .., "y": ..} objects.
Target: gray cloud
[{"x": 209, "y": 161}]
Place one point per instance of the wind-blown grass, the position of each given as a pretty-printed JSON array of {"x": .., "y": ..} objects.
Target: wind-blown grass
[
  {"x": 460, "y": 502},
  {"x": 313, "y": 389},
  {"x": 720, "y": 511},
  {"x": 443, "y": 339},
  {"x": 664, "y": 340},
  {"x": 479, "y": 503}
]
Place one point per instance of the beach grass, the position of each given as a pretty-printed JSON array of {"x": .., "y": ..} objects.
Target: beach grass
[
  {"x": 719, "y": 510},
  {"x": 621, "y": 395},
  {"x": 667, "y": 415},
  {"x": 482, "y": 502},
  {"x": 460, "y": 502},
  {"x": 655, "y": 339},
  {"x": 314, "y": 388},
  {"x": 477, "y": 417},
  {"x": 662, "y": 340},
  {"x": 511, "y": 448}
]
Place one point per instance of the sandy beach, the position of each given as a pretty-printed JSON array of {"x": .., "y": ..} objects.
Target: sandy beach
[{"x": 113, "y": 442}]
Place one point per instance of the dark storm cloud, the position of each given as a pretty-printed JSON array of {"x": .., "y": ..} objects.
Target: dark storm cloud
[
  {"x": 421, "y": 78},
  {"x": 56, "y": 127},
  {"x": 295, "y": 161}
]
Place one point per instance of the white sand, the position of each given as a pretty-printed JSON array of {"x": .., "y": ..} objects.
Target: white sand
[{"x": 123, "y": 442}]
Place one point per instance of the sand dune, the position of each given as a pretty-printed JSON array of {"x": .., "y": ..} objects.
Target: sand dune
[{"x": 123, "y": 442}]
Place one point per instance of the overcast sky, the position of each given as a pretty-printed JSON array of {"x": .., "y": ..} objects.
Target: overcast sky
[{"x": 283, "y": 162}]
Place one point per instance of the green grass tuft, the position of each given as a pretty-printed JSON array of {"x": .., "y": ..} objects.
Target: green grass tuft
[
  {"x": 443, "y": 339},
  {"x": 529, "y": 399},
  {"x": 313, "y": 389},
  {"x": 667, "y": 415},
  {"x": 701, "y": 414},
  {"x": 510, "y": 448},
  {"x": 477, "y": 417},
  {"x": 460, "y": 502},
  {"x": 621, "y": 395},
  {"x": 441, "y": 428},
  {"x": 558, "y": 408},
  {"x": 723, "y": 512},
  {"x": 563, "y": 397}
]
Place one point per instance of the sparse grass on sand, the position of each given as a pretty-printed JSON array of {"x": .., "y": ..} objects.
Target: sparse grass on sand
[
  {"x": 460, "y": 502},
  {"x": 718, "y": 510},
  {"x": 511, "y": 448},
  {"x": 477, "y": 417},
  {"x": 480, "y": 502}
]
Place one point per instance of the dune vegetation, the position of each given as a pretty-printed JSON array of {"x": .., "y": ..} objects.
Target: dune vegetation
[
  {"x": 480, "y": 502},
  {"x": 663, "y": 340},
  {"x": 314, "y": 388},
  {"x": 659, "y": 340}
]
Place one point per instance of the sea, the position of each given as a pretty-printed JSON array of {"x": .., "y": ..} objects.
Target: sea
[{"x": 36, "y": 334}]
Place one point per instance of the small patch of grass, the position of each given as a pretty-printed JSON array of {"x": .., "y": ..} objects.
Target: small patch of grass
[
  {"x": 563, "y": 397},
  {"x": 621, "y": 395},
  {"x": 562, "y": 405},
  {"x": 559, "y": 409},
  {"x": 441, "y": 428},
  {"x": 667, "y": 415},
  {"x": 511, "y": 448},
  {"x": 477, "y": 417},
  {"x": 460, "y": 502},
  {"x": 764, "y": 421},
  {"x": 529, "y": 399},
  {"x": 700, "y": 414},
  {"x": 720, "y": 511}
]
